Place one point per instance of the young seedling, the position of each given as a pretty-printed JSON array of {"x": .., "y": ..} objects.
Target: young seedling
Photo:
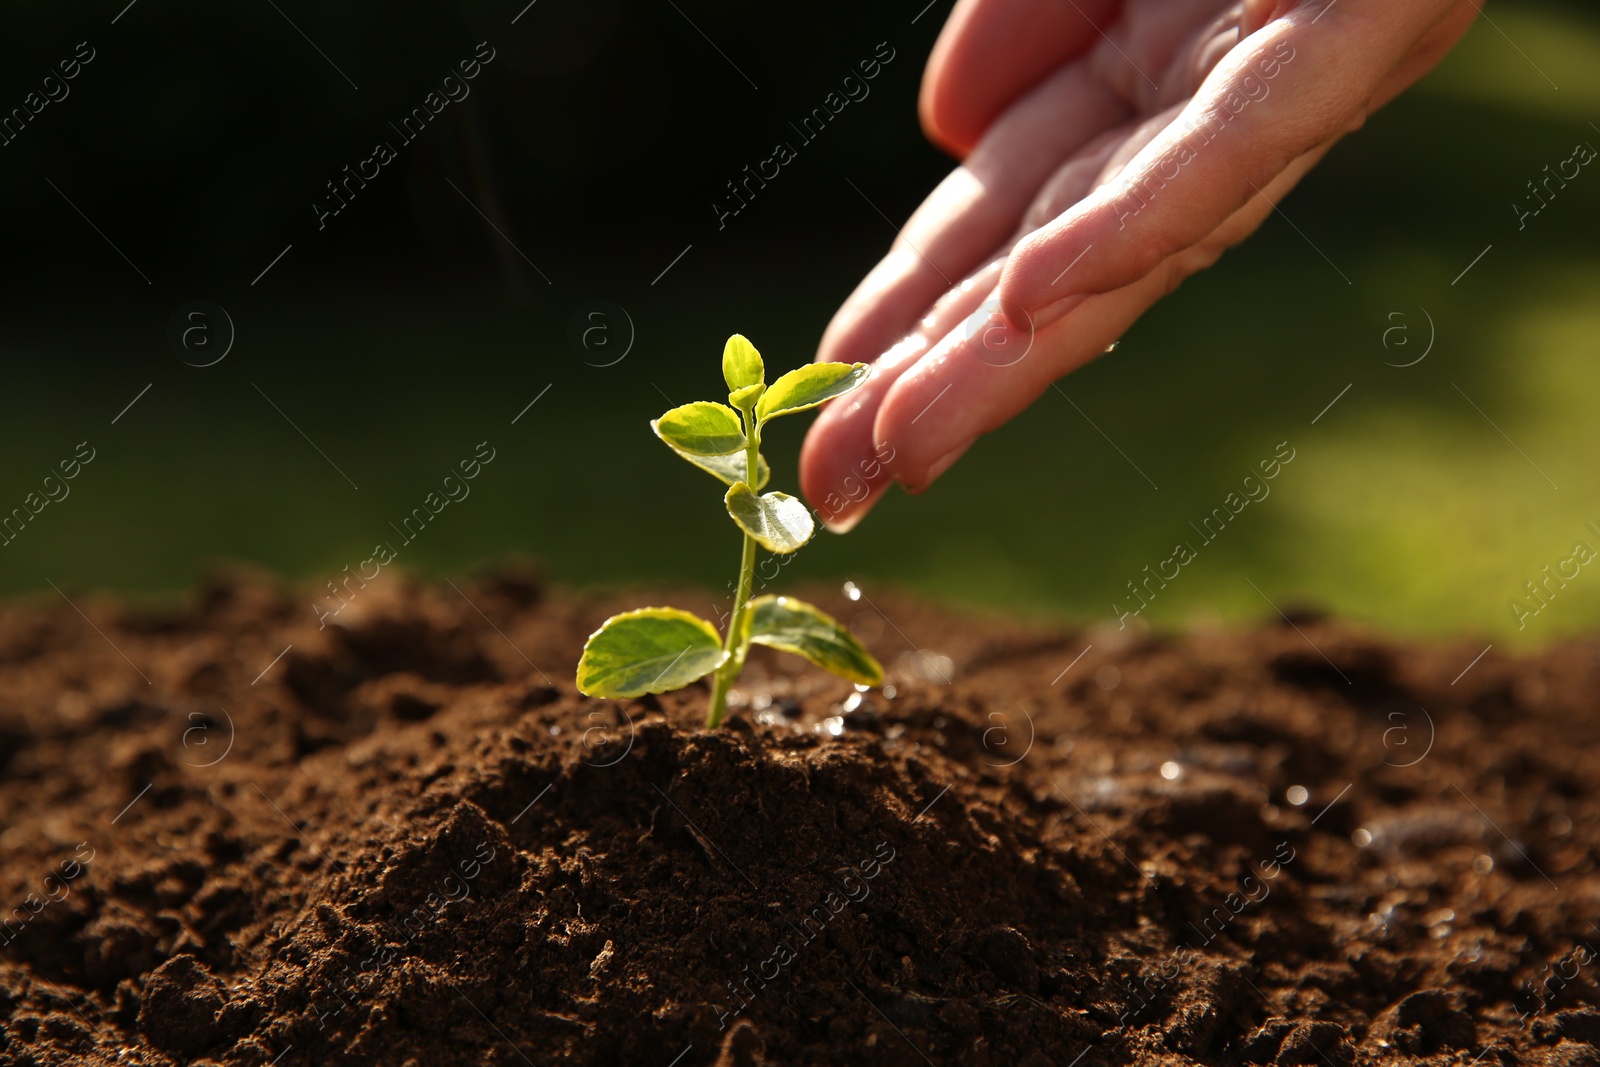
[{"x": 656, "y": 650}]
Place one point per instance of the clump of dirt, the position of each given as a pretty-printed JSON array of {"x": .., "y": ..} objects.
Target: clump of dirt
[{"x": 230, "y": 837}]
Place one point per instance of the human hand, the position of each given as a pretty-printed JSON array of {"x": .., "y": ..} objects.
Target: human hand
[{"x": 1102, "y": 166}]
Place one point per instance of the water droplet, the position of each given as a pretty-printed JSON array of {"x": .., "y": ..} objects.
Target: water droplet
[
  {"x": 555, "y": 731},
  {"x": 851, "y": 703},
  {"x": 1170, "y": 770},
  {"x": 933, "y": 666},
  {"x": 1297, "y": 795},
  {"x": 1361, "y": 838},
  {"x": 761, "y": 701},
  {"x": 833, "y": 725},
  {"x": 890, "y": 692},
  {"x": 852, "y": 590},
  {"x": 1483, "y": 864},
  {"x": 862, "y": 688}
]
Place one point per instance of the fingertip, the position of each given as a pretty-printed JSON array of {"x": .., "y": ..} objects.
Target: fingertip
[
  {"x": 933, "y": 114},
  {"x": 1056, "y": 261},
  {"x": 839, "y": 460},
  {"x": 992, "y": 52},
  {"x": 872, "y": 320},
  {"x": 924, "y": 416},
  {"x": 918, "y": 486},
  {"x": 847, "y": 518}
]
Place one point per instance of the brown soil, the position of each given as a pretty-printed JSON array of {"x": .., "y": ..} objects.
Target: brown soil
[{"x": 404, "y": 844}]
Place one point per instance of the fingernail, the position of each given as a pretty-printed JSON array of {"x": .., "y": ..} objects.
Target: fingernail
[
  {"x": 947, "y": 462},
  {"x": 844, "y": 525},
  {"x": 846, "y": 519},
  {"x": 1056, "y": 310},
  {"x": 918, "y": 486}
]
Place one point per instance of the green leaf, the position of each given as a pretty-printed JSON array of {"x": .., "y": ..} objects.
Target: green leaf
[
  {"x": 741, "y": 364},
  {"x": 806, "y": 387},
  {"x": 729, "y": 469},
  {"x": 745, "y": 399},
  {"x": 652, "y": 650},
  {"x": 791, "y": 625},
  {"x": 777, "y": 521},
  {"x": 703, "y": 429}
]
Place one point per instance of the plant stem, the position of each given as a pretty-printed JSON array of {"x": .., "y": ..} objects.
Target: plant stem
[{"x": 729, "y": 672}]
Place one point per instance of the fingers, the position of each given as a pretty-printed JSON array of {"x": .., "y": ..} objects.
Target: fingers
[
  {"x": 1287, "y": 90},
  {"x": 841, "y": 472},
  {"x": 971, "y": 214},
  {"x": 843, "y": 468},
  {"x": 1125, "y": 219},
  {"x": 843, "y": 443},
  {"x": 1143, "y": 55},
  {"x": 1428, "y": 52},
  {"x": 976, "y": 379},
  {"x": 958, "y": 392},
  {"x": 990, "y": 53}
]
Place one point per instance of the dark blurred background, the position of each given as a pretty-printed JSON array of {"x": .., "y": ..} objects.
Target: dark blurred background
[{"x": 373, "y": 349}]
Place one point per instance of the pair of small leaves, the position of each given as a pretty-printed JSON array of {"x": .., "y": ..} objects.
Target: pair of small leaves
[
  {"x": 707, "y": 428},
  {"x": 806, "y": 387},
  {"x": 713, "y": 437},
  {"x": 657, "y": 650}
]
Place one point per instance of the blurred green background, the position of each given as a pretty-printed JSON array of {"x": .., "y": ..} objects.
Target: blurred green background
[{"x": 408, "y": 331}]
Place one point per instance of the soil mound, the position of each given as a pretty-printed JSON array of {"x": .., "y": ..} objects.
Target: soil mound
[{"x": 229, "y": 837}]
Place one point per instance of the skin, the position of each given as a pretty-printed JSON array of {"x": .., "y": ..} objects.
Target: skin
[{"x": 1035, "y": 254}]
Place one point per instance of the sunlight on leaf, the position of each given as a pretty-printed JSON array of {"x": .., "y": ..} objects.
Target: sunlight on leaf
[
  {"x": 779, "y": 522},
  {"x": 741, "y": 364},
  {"x": 703, "y": 428},
  {"x": 729, "y": 469},
  {"x": 745, "y": 399},
  {"x": 792, "y": 625},
  {"x": 808, "y": 386},
  {"x": 652, "y": 650}
]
